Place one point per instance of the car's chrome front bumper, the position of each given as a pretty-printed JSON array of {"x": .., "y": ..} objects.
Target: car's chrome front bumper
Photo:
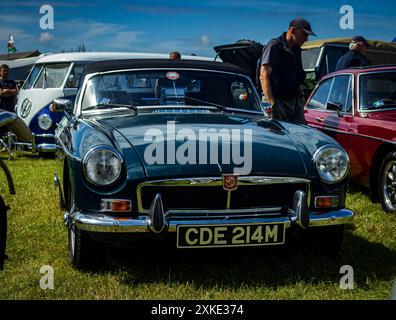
[
  {"x": 34, "y": 146},
  {"x": 94, "y": 222},
  {"x": 158, "y": 221}
]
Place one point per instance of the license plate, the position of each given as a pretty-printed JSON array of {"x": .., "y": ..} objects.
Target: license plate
[{"x": 209, "y": 236}]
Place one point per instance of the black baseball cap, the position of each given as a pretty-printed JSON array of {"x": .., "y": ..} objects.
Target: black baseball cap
[
  {"x": 356, "y": 39},
  {"x": 301, "y": 23}
]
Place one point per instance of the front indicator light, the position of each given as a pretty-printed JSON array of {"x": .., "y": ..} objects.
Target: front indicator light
[
  {"x": 324, "y": 202},
  {"x": 116, "y": 205}
]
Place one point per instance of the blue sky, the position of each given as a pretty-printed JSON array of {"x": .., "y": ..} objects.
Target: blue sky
[{"x": 189, "y": 26}]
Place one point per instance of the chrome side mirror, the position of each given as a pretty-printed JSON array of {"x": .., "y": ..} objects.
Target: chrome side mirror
[{"x": 61, "y": 105}]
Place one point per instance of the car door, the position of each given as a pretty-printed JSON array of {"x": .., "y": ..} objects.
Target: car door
[
  {"x": 374, "y": 122},
  {"x": 330, "y": 107}
]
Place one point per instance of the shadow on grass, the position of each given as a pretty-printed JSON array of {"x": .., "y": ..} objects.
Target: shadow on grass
[
  {"x": 258, "y": 266},
  {"x": 354, "y": 188}
]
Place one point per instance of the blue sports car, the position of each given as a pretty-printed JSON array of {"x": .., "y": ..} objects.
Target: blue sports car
[{"x": 183, "y": 149}]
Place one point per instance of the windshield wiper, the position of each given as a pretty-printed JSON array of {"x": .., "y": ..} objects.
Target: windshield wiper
[
  {"x": 111, "y": 105},
  {"x": 212, "y": 104}
]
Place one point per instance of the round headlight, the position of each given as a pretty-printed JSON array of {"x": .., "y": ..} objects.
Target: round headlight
[
  {"x": 102, "y": 165},
  {"x": 332, "y": 164},
  {"x": 45, "y": 121}
]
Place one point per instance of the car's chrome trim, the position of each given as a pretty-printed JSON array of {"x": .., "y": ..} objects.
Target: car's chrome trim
[
  {"x": 335, "y": 217},
  {"x": 218, "y": 181},
  {"x": 95, "y": 222},
  {"x": 351, "y": 76},
  {"x": 352, "y": 134}
]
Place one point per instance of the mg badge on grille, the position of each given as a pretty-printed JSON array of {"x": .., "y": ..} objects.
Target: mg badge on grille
[{"x": 230, "y": 183}]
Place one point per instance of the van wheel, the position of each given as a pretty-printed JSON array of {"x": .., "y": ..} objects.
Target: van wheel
[{"x": 387, "y": 182}]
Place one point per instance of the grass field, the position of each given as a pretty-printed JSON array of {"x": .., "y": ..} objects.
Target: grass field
[{"x": 37, "y": 237}]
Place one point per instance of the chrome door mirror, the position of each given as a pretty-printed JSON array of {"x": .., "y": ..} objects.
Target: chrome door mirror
[{"x": 61, "y": 105}]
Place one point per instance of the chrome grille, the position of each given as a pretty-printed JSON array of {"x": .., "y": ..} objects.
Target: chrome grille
[{"x": 206, "y": 195}]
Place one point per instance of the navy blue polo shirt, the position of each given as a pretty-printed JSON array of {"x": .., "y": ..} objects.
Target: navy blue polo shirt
[
  {"x": 7, "y": 103},
  {"x": 287, "y": 70},
  {"x": 352, "y": 58}
]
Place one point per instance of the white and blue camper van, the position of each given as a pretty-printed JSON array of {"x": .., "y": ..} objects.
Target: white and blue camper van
[{"x": 58, "y": 76}]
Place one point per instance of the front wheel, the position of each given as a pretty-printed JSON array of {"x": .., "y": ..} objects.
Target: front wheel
[
  {"x": 387, "y": 182},
  {"x": 84, "y": 251}
]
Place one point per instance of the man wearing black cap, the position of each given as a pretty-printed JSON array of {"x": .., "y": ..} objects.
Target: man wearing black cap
[
  {"x": 282, "y": 73},
  {"x": 355, "y": 56}
]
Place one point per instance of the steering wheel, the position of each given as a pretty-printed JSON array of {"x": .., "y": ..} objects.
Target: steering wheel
[{"x": 382, "y": 102}]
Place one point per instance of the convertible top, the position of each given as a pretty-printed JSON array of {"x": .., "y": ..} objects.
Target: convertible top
[
  {"x": 375, "y": 45},
  {"x": 109, "y": 65}
]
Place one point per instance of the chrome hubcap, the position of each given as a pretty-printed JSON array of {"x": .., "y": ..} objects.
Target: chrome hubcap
[{"x": 390, "y": 185}]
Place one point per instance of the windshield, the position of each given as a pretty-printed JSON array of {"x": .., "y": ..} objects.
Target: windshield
[
  {"x": 52, "y": 75},
  {"x": 32, "y": 77},
  {"x": 310, "y": 58},
  {"x": 378, "y": 91},
  {"x": 170, "y": 87}
]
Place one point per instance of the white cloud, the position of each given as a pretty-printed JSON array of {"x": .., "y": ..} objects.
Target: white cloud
[
  {"x": 46, "y": 37},
  {"x": 205, "y": 40},
  {"x": 125, "y": 39}
]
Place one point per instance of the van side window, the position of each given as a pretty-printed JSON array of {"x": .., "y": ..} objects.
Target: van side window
[
  {"x": 73, "y": 80},
  {"x": 52, "y": 75}
]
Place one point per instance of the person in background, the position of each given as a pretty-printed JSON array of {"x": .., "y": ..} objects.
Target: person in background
[
  {"x": 282, "y": 73},
  {"x": 355, "y": 56},
  {"x": 8, "y": 90},
  {"x": 175, "y": 55}
]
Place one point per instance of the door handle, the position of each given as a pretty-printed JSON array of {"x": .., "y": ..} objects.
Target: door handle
[{"x": 319, "y": 119}]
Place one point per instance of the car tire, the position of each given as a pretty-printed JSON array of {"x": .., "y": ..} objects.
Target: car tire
[
  {"x": 84, "y": 251},
  {"x": 387, "y": 182},
  {"x": 257, "y": 45},
  {"x": 327, "y": 240}
]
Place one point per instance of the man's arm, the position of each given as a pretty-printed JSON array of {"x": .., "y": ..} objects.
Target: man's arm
[
  {"x": 9, "y": 92},
  {"x": 265, "y": 72}
]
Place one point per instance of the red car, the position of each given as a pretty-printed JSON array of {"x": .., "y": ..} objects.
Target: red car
[{"x": 357, "y": 107}]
